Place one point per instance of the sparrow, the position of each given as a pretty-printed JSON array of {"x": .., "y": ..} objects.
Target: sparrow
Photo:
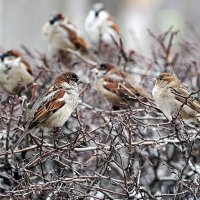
[
  {"x": 14, "y": 69},
  {"x": 117, "y": 87},
  {"x": 55, "y": 106},
  {"x": 174, "y": 99},
  {"x": 100, "y": 27},
  {"x": 61, "y": 34}
]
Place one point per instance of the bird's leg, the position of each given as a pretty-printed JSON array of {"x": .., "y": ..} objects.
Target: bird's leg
[
  {"x": 4, "y": 98},
  {"x": 56, "y": 133},
  {"x": 41, "y": 144}
]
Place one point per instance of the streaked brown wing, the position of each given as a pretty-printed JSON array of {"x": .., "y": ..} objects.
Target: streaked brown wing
[
  {"x": 110, "y": 84},
  {"x": 78, "y": 42},
  {"x": 123, "y": 89},
  {"x": 28, "y": 67},
  {"x": 184, "y": 96},
  {"x": 130, "y": 92},
  {"x": 48, "y": 107},
  {"x": 114, "y": 26}
]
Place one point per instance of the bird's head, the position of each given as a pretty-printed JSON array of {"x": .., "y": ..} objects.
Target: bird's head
[
  {"x": 165, "y": 79},
  {"x": 67, "y": 80},
  {"x": 56, "y": 18},
  {"x": 104, "y": 69},
  {"x": 10, "y": 55}
]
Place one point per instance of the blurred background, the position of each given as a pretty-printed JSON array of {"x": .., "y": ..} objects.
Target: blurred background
[{"x": 21, "y": 21}]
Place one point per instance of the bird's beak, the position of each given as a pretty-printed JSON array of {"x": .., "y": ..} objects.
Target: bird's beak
[
  {"x": 95, "y": 70},
  {"x": 153, "y": 79}
]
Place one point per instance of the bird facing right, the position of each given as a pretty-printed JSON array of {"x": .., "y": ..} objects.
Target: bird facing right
[
  {"x": 173, "y": 99},
  {"x": 55, "y": 106}
]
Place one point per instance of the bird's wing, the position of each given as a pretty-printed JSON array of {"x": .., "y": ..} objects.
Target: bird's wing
[
  {"x": 128, "y": 91},
  {"x": 184, "y": 96},
  {"x": 47, "y": 107},
  {"x": 78, "y": 42},
  {"x": 110, "y": 86},
  {"x": 113, "y": 25},
  {"x": 123, "y": 89}
]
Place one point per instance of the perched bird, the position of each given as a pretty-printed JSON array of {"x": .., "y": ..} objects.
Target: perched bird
[
  {"x": 117, "y": 87},
  {"x": 99, "y": 26},
  {"x": 14, "y": 69},
  {"x": 173, "y": 99},
  {"x": 61, "y": 34},
  {"x": 55, "y": 106}
]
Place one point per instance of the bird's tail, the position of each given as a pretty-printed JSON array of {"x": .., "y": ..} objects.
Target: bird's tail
[{"x": 24, "y": 134}]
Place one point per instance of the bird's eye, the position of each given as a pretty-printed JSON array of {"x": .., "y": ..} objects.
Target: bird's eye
[
  {"x": 5, "y": 55},
  {"x": 96, "y": 13},
  {"x": 55, "y": 18},
  {"x": 75, "y": 78},
  {"x": 2, "y": 57},
  {"x": 52, "y": 20},
  {"x": 102, "y": 67}
]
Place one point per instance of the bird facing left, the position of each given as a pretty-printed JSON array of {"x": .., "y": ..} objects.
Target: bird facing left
[
  {"x": 14, "y": 69},
  {"x": 174, "y": 99},
  {"x": 61, "y": 34}
]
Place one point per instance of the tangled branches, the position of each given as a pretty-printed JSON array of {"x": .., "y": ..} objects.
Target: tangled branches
[{"x": 135, "y": 153}]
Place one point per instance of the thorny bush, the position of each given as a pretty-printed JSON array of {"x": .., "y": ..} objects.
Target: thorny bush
[{"x": 134, "y": 153}]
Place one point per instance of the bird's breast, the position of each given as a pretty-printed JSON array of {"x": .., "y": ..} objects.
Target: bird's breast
[
  {"x": 108, "y": 95},
  {"x": 62, "y": 115}
]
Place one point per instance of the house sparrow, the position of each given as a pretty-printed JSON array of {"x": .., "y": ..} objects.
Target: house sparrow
[
  {"x": 13, "y": 69},
  {"x": 99, "y": 26},
  {"x": 61, "y": 34},
  {"x": 116, "y": 86},
  {"x": 172, "y": 98},
  {"x": 55, "y": 106}
]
